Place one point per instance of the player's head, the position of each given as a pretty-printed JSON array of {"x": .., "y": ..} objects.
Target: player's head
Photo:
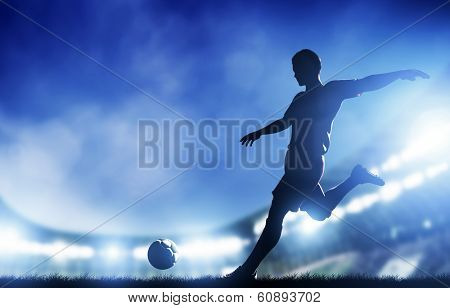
[{"x": 306, "y": 65}]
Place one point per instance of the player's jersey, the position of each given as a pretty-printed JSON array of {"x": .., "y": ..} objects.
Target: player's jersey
[{"x": 311, "y": 115}]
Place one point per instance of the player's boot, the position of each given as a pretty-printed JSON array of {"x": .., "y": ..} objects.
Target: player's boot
[
  {"x": 241, "y": 276},
  {"x": 363, "y": 176}
]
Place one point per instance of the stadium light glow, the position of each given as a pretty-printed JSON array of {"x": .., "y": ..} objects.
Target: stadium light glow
[
  {"x": 227, "y": 270},
  {"x": 140, "y": 252},
  {"x": 432, "y": 141},
  {"x": 9, "y": 235},
  {"x": 435, "y": 170},
  {"x": 393, "y": 232},
  {"x": 258, "y": 227},
  {"x": 78, "y": 252},
  {"x": 427, "y": 224},
  {"x": 390, "y": 191},
  {"x": 11, "y": 243},
  {"x": 374, "y": 170},
  {"x": 398, "y": 267},
  {"x": 112, "y": 252},
  {"x": 309, "y": 226},
  {"x": 359, "y": 204},
  {"x": 292, "y": 216},
  {"x": 392, "y": 163},
  {"x": 354, "y": 206},
  {"x": 413, "y": 180},
  {"x": 337, "y": 214},
  {"x": 211, "y": 248},
  {"x": 59, "y": 248}
]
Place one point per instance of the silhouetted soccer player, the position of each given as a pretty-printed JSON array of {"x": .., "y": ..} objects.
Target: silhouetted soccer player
[{"x": 310, "y": 116}]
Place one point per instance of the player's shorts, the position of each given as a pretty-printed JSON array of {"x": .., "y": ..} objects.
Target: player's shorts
[{"x": 297, "y": 184}]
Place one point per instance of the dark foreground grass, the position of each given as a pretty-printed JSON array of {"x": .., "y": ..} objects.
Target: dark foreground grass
[{"x": 300, "y": 281}]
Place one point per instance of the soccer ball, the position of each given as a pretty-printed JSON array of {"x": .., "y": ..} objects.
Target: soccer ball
[{"x": 163, "y": 254}]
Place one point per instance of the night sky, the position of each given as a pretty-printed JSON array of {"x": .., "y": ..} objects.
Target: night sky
[{"x": 68, "y": 127}]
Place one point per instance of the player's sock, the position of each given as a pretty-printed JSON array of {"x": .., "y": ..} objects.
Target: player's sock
[{"x": 363, "y": 176}]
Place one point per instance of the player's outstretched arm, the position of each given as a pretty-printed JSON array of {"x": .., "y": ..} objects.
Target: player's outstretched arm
[
  {"x": 378, "y": 81},
  {"x": 272, "y": 128}
]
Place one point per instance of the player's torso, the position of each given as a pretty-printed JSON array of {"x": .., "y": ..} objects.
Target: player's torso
[{"x": 312, "y": 118}]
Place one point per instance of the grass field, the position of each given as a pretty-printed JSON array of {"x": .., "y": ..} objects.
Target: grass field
[{"x": 304, "y": 281}]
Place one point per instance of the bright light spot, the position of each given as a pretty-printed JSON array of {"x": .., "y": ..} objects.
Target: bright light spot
[
  {"x": 408, "y": 154},
  {"x": 427, "y": 224},
  {"x": 398, "y": 267},
  {"x": 390, "y": 191},
  {"x": 359, "y": 204},
  {"x": 112, "y": 252},
  {"x": 291, "y": 216},
  {"x": 227, "y": 270},
  {"x": 9, "y": 238},
  {"x": 435, "y": 170},
  {"x": 354, "y": 206},
  {"x": 285, "y": 231},
  {"x": 370, "y": 199},
  {"x": 375, "y": 171},
  {"x": 259, "y": 225},
  {"x": 64, "y": 251},
  {"x": 12, "y": 243},
  {"x": 337, "y": 214},
  {"x": 9, "y": 235},
  {"x": 413, "y": 180},
  {"x": 60, "y": 249},
  {"x": 211, "y": 248},
  {"x": 309, "y": 226},
  {"x": 392, "y": 163},
  {"x": 87, "y": 252},
  {"x": 394, "y": 232},
  {"x": 432, "y": 139},
  {"x": 140, "y": 253}
]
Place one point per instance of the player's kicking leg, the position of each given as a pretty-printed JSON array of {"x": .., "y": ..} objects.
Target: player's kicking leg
[{"x": 321, "y": 204}]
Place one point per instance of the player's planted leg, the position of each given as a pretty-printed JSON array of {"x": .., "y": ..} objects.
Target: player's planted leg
[
  {"x": 266, "y": 242},
  {"x": 320, "y": 205}
]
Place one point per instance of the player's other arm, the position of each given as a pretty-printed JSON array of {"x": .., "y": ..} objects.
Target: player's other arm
[
  {"x": 378, "y": 81},
  {"x": 274, "y": 127}
]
